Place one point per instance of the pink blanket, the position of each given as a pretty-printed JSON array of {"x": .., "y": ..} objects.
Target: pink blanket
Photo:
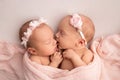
[
  {"x": 14, "y": 65},
  {"x": 108, "y": 49},
  {"x": 106, "y": 66},
  {"x": 11, "y": 61},
  {"x": 34, "y": 71}
]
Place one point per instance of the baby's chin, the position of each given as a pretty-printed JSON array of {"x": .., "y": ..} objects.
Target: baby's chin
[{"x": 59, "y": 46}]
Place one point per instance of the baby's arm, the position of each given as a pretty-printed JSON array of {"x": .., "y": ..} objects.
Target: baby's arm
[
  {"x": 56, "y": 59},
  {"x": 66, "y": 64},
  {"x": 75, "y": 58},
  {"x": 88, "y": 57}
]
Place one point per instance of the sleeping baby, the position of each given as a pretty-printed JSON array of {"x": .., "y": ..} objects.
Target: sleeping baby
[
  {"x": 74, "y": 32},
  {"x": 38, "y": 40}
]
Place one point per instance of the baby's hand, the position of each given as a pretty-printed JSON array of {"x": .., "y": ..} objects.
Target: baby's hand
[
  {"x": 70, "y": 54},
  {"x": 74, "y": 57},
  {"x": 56, "y": 58}
]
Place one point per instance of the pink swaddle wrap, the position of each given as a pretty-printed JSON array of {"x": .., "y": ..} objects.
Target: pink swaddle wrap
[
  {"x": 34, "y": 71},
  {"x": 14, "y": 65}
]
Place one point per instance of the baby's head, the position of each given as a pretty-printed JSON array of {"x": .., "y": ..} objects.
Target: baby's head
[
  {"x": 38, "y": 38},
  {"x": 74, "y": 29}
]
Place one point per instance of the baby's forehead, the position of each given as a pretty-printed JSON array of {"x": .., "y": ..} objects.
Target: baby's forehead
[
  {"x": 64, "y": 21},
  {"x": 44, "y": 28},
  {"x": 42, "y": 33},
  {"x": 66, "y": 26}
]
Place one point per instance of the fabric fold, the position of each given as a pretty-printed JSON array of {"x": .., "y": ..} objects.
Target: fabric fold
[{"x": 36, "y": 71}]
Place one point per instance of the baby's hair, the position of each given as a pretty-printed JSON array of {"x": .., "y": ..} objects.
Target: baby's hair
[
  {"x": 24, "y": 29},
  {"x": 88, "y": 28}
]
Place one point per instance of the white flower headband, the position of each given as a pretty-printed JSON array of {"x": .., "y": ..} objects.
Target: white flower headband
[
  {"x": 77, "y": 23},
  {"x": 32, "y": 25}
]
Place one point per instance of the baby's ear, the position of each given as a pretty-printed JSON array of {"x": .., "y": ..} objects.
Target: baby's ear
[
  {"x": 31, "y": 50},
  {"x": 80, "y": 43}
]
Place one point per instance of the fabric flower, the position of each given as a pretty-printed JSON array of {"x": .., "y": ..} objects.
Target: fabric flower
[
  {"x": 76, "y": 21},
  {"x": 32, "y": 25}
]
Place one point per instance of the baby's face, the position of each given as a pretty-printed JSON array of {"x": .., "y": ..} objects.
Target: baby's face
[
  {"x": 43, "y": 40},
  {"x": 65, "y": 37}
]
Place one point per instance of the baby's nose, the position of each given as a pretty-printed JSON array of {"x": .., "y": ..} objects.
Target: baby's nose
[{"x": 57, "y": 35}]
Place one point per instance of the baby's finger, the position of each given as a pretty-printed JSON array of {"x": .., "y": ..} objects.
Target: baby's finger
[
  {"x": 58, "y": 53},
  {"x": 64, "y": 55},
  {"x": 55, "y": 53}
]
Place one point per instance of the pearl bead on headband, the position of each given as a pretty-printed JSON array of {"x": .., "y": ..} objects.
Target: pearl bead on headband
[
  {"x": 32, "y": 25},
  {"x": 76, "y": 22}
]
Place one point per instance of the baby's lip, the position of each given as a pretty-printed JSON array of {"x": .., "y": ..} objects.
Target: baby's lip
[
  {"x": 57, "y": 39},
  {"x": 56, "y": 48},
  {"x": 57, "y": 43},
  {"x": 59, "y": 47}
]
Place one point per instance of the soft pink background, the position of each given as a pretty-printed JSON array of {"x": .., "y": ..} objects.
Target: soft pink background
[{"x": 13, "y": 13}]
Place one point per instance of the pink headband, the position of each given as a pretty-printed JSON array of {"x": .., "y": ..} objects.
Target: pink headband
[
  {"x": 32, "y": 25},
  {"x": 77, "y": 23}
]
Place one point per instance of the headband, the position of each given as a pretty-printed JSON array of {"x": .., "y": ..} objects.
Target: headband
[
  {"x": 76, "y": 22},
  {"x": 32, "y": 25}
]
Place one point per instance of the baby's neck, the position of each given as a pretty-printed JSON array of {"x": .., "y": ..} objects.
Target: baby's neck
[{"x": 44, "y": 60}]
